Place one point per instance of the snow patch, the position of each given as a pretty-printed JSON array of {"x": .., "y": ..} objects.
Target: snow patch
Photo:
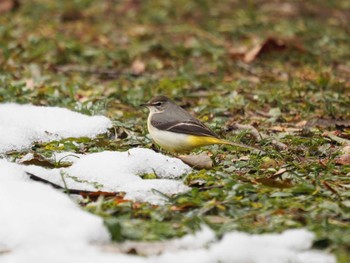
[
  {"x": 120, "y": 172},
  {"x": 21, "y": 125}
]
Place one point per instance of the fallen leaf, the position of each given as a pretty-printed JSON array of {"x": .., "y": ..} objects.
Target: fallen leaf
[
  {"x": 280, "y": 8},
  {"x": 237, "y": 52},
  {"x": 333, "y": 136},
  {"x": 197, "y": 183},
  {"x": 325, "y": 123},
  {"x": 131, "y": 5},
  {"x": 343, "y": 159},
  {"x": 301, "y": 123},
  {"x": 278, "y": 173},
  {"x": 36, "y": 159},
  {"x": 200, "y": 161},
  {"x": 346, "y": 149},
  {"x": 138, "y": 67},
  {"x": 244, "y": 158},
  {"x": 277, "y": 129},
  {"x": 270, "y": 44},
  {"x": 30, "y": 84},
  {"x": 330, "y": 188},
  {"x": 8, "y": 5},
  {"x": 275, "y": 113},
  {"x": 274, "y": 183},
  {"x": 71, "y": 15},
  {"x": 268, "y": 162},
  {"x": 289, "y": 130},
  {"x": 183, "y": 207}
]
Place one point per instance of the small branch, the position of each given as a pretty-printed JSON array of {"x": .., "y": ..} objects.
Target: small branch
[
  {"x": 204, "y": 188},
  {"x": 84, "y": 193}
]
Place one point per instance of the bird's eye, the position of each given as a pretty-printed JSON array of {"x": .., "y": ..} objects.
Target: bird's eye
[{"x": 158, "y": 104}]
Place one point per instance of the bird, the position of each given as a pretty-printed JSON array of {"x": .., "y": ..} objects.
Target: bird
[{"x": 176, "y": 130}]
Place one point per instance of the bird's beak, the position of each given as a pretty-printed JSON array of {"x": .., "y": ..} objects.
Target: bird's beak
[{"x": 145, "y": 105}]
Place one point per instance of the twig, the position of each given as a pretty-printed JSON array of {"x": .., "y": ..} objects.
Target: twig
[
  {"x": 330, "y": 188},
  {"x": 204, "y": 188},
  {"x": 73, "y": 191}
]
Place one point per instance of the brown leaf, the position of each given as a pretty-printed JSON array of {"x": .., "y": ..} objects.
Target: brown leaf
[
  {"x": 330, "y": 188},
  {"x": 334, "y": 137},
  {"x": 343, "y": 159},
  {"x": 8, "y": 5},
  {"x": 131, "y": 5},
  {"x": 95, "y": 195},
  {"x": 197, "y": 183},
  {"x": 326, "y": 123},
  {"x": 278, "y": 173},
  {"x": 270, "y": 44},
  {"x": 201, "y": 161},
  {"x": 182, "y": 207},
  {"x": 71, "y": 15},
  {"x": 36, "y": 159},
  {"x": 346, "y": 149},
  {"x": 138, "y": 67},
  {"x": 274, "y": 183},
  {"x": 237, "y": 52}
]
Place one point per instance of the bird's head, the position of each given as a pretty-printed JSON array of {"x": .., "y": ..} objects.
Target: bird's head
[{"x": 157, "y": 104}]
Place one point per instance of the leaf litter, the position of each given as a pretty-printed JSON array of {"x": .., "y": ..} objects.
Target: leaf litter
[{"x": 297, "y": 64}]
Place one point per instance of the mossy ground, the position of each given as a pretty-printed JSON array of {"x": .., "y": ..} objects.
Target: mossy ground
[{"x": 81, "y": 55}]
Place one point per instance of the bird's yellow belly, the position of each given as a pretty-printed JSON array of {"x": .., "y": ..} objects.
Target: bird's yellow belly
[
  {"x": 178, "y": 142},
  {"x": 174, "y": 142}
]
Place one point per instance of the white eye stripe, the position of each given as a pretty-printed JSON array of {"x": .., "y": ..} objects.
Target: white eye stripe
[{"x": 157, "y": 103}]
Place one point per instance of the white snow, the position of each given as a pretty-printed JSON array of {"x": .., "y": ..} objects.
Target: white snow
[
  {"x": 291, "y": 246},
  {"x": 21, "y": 125},
  {"x": 39, "y": 224},
  {"x": 35, "y": 216},
  {"x": 120, "y": 172}
]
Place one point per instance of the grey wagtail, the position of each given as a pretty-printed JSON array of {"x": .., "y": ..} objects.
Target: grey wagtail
[{"x": 175, "y": 130}]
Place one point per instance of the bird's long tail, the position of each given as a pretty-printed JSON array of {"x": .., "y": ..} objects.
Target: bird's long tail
[
  {"x": 240, "y": 145},
  {"x": 197, "y": 141}
]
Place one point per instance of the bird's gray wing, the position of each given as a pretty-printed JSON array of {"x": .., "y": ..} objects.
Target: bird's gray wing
[{"x": 191, "y": 127}]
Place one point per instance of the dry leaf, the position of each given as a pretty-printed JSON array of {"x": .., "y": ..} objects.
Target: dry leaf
[
  {"x": 237, "y": 52},
  {"x": 38, "y": 160},
  {"x": 301, "y": 124},
  {"x": 343, "y": 159},
  {"x": 268, "y": 45},
  {"x": 245, "y": 158},
  {"x": 30, "y": 84},
  {"x": 8, "y": 5},
  {"x": 278, "y": 173},
  {"x": 325, "y": 123},
  {"x": 200, "y": 161},
  {"x": 333, "y": 136},
  {"x": 274, "y": 183},
  {"x": 346, "y": 149},
  {"x": 138, "y": 67}
]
